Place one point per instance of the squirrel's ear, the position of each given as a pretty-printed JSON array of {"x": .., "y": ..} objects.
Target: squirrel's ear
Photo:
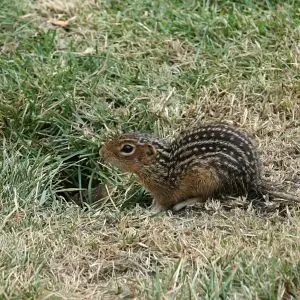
[{"x": 150, "y": 150}]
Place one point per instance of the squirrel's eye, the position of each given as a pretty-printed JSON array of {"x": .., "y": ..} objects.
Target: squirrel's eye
[{"x": 127, "y": 149}]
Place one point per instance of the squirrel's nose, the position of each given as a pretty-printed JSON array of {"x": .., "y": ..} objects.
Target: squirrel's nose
[{"x": 103, "y": 153}]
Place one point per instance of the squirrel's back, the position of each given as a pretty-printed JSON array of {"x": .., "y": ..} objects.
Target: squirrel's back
[
  {"x": 207, "y": 161},
  {"x": 228, "y": 150}
]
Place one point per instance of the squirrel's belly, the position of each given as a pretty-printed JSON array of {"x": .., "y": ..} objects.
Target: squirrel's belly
[{"x": 198, "y": 182}]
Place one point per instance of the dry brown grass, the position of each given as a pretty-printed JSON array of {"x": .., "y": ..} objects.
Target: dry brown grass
[{"x": 100, "y": 255}]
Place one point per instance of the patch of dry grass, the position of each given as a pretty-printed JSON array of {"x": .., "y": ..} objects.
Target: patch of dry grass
[
  {"x": 74, "y": 72},
  {"x": 217, "y": 254}
]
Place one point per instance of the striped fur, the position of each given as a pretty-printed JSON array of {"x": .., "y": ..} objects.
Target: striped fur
[
  {"x": 217, "y": 152},
  {"x": 229, "y": 150}
]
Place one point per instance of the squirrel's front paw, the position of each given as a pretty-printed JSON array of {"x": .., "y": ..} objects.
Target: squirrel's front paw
[{"x": 156, "y": 208}]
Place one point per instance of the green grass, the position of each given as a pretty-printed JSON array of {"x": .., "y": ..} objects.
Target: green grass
[{"x": 156, "y": 66}]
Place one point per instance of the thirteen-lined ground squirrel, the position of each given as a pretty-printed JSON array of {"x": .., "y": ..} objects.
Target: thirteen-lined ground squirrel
[{"x": 208, "y": 161}]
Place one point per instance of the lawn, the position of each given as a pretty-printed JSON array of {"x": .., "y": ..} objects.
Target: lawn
[{"x": 74, "y": 72}]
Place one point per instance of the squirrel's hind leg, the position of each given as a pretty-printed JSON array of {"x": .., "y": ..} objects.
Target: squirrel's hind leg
[{"x": 185, "y": 203}]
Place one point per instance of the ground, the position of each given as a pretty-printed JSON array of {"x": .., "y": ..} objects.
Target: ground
[{"x": 74, "y": 72}]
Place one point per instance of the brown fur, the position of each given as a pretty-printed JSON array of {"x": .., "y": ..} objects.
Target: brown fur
[
  {"x": 207, "y": 161},
  {"x": 197, "y": 182}
]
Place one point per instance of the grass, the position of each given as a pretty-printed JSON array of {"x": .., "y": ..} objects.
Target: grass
[{"x": 72, "y": 73}]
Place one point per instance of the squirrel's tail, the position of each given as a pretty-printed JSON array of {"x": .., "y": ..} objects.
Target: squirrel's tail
[{"x": 271, "y": 191}]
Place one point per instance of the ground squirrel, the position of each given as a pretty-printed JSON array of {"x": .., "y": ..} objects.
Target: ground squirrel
[{"x": 207, "y": 161}]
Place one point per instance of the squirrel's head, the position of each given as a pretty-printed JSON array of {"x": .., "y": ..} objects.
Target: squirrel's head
[{"x": 130, "y": 152}]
